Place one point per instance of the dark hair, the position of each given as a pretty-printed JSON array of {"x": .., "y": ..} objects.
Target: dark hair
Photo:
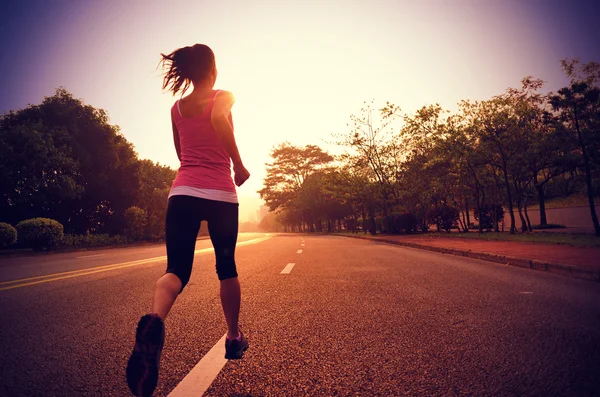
[{"x": 187, "y": 65}]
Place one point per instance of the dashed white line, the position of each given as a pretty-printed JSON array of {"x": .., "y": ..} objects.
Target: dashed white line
[
  {"x": 299, "y": 252},
  {"x": 288, "y": 268},
  {"x": 203, "y": 374}
]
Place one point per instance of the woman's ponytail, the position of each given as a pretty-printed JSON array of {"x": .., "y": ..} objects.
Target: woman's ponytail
[{"x": 185, "y": 66}]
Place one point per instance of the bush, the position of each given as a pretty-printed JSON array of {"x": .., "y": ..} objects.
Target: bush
[
  {"x": 351, "y": 224},
  {"x": 406, "y": 222},
  {"x": 92, "y": 240},
  {"x": 487, "y": 216},
  {"x": 135, "y": 223},
  {"x": 443, "y": 217},
  {"x": 367, "y": 225},
  {"x": 40, "y": 233},
  {"x": 397, "y": 223},
  {"x": 8, "y": 235}
]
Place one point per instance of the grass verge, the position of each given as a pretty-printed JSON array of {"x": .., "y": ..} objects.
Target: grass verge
[{"x": 576, "y": 240}]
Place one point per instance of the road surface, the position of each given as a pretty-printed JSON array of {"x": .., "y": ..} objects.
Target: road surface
[{"x": 349, "y": 318}]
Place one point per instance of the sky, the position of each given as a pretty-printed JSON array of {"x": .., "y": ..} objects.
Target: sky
[{"x": 298, "y": 69}]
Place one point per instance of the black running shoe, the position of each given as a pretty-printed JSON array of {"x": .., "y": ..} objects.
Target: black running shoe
[
  {"x": 234, "y": 349},
  {"x": 142, "y": 368}
]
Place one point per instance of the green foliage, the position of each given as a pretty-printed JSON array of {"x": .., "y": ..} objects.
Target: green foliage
[
  {"x": 577, "y": 112},
  {"x": 351, "y": 224},
  {"x": 405, "y": 223},
  {"x": 444, "y": 217},
  {"x": 136, "y": 220},
  {"x": 92, "y": 240},
  {"x": 287, "y": 173},
  {"x": 8, "y": 235},
  {"x": 486, "y": 219},
  {"x": 62, "y": 159},
  {"x": 40, "y": 233},
  {"x": 156, "y": 210}
]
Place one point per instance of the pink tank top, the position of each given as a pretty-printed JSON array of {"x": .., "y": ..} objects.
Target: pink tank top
[{"x": 205, "y": 163}]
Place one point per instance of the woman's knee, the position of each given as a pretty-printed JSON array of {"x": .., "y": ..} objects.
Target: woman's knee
[
  {"x": 226, "y": 270},
  {"x": 174, "y": 278}
]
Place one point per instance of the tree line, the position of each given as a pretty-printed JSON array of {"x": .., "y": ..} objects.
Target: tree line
[
  {"x": 401, "y": 172},
  {"x": 63, "y": 160}
]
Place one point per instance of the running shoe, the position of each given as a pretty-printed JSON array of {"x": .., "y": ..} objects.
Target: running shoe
[
  {"x": 142, "y": 368},
  {"x": 235, "y": 348}
]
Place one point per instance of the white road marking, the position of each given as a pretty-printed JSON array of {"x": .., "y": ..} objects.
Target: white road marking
[
  {"x": 199, "y": 379},
  {"x": 299, "y": 252},
  {"x": 24, "y": 282},
  {"x": 288, "y": 268},
  {"x": 302, "y": 245},
  {"x": 88, "y": 256},
  {"x": 526, "y": 293}
]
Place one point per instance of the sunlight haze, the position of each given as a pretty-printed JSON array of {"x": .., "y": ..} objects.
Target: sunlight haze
[{"x": 297, "y": 69}]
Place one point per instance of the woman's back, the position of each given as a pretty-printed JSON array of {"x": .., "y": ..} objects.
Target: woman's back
[{"x": 205, "y": 164}]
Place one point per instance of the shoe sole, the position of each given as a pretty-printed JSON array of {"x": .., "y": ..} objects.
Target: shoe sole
[
  {"x": 142, "y": 378},
  {"x": 142, "y": 371}
]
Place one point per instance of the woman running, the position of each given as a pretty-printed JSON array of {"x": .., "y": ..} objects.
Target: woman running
[{"x": 202, "y": 190}]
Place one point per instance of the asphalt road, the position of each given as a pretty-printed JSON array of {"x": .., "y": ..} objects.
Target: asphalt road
[{"x": 353, "y": 318}]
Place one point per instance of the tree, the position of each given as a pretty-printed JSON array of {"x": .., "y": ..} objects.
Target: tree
[
  {"x": 287, "y": 173},
  {"x": 135, "y": 223},
  {"x": 375, "y": 145},
  {"x": 155, "y": 181},
  {"x": 578, "y": 110},
  {"x": 499, "y": 124},
  {"x": 87, "y": 173},
  {"x": 39, "y": 176}
]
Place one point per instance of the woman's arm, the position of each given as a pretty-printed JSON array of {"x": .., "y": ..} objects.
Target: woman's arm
[
  {"x": 220, "y": 118},
  {"x": 176, "y": 140},
  {"x": 223, "y": 124}
]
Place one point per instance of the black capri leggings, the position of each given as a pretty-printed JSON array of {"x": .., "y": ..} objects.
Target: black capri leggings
[{"x": 184, "y": 214}]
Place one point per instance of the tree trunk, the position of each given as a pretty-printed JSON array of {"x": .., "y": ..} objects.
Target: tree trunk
[
  {"x": 588, "y": 176},
  {"x": 542, "y": 200},
  {"x": 468, "y": 215},
  {"x": 480, "y": 214},
  {"x": 509, "y": 199},
  {"x": 529, "y": 228},
  {"x": 372, "y": 226},
  {"x": 520, "y": 210},
  {"x": 462, "y": 222}
]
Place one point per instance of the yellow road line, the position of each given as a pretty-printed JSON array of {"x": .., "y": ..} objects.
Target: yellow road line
[
  {"x": 108, "y": 267},
  {"x": 92, "y": 271},
  {"x": 24, "y": 282}
]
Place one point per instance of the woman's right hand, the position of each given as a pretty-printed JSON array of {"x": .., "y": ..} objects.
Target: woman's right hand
[{"x": 241, "y": 175}]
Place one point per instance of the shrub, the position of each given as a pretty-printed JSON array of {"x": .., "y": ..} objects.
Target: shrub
[
  {"x": 397, "y": 223},
  {"x": 487, "y": 216},
  {"x": 40, "y": 233},
  {"x": 389, "y": 224},
  {"x": 367, "y": 225},
  {"x": 135, "y": 223},
  {"x": 444, "y": 217},
  {"x": 92, "y": 240},
  {"x": 8, "y": 235},
  {"x": 351, "y": 224},
  {"x": 405, "y": 222}
]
